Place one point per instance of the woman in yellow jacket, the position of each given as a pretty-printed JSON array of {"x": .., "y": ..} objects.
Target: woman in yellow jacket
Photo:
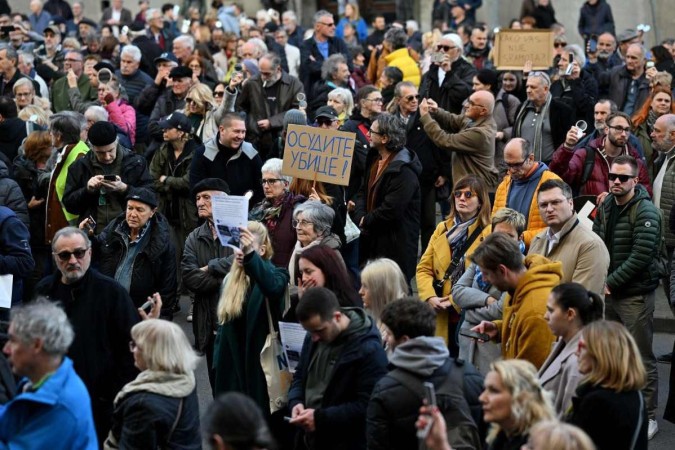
[{"x": 469, "y": 217}]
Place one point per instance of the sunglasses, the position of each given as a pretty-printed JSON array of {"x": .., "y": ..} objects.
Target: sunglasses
[
  {"x": 65, "y": 255},
  {"x": 467, "y": 194},
  {"x": 218, "y": 94},
  {"x": 410, "y": 98},
  {"x": 324, "y": 122},
  {"x": 560, "y": 44},
  {"x": 445, "y": 48},
  {"x": 622, "y": 178},
  {"x": 190, "y": 100}
]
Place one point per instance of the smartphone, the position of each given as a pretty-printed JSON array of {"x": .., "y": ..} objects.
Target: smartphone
[
  {"x": 437, "y": 57},
  {"x": 125, "y": 30},
  {"x": 474, "y": 335},
  {"x": 91, "y": 224},
  {"x": 176, "y": 11},
  {"x": 592, "y": 45},
  {"x": 430, "y": 396},
  {"x": 110, "y": 177},
  {"x": 186, "y": 26},
  {"x": 570, "y": 66},
  {"x": 147, "y": 306},
  {"x": 6, "y": 29},
  {"x": 650, "y": 64}
]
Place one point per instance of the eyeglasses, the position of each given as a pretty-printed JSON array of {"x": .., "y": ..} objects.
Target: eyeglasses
[
  {"x": 515, "y": 165},
  {"x": 553, "y": 203},
  {"x": 622, "y": 178},
  {"x": 467, "y": 194},
  {"x": 303, "y": 223},
  {"x": 376, "y": 100},
  {"x": 410, "y": 98},
  {"x": 445, "y": 48},
  {"x": 21, "y": 94},
  {"x": 560, "y": 44},
  {"x": 620, "y": 129},
  {"x": 218, "y": 94},
  {"x": 472, "y": 103},
  {"x": 332, "y": 24},
  {"x": 371, "y": 131},
  {"x": 65, "y": 255},
  {"x": 270, "y": 181}
]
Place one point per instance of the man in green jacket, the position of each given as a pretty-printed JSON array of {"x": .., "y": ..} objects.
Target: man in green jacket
[
  {"x": 73, "y": 65},
  {"x": 630, "y": 225}
]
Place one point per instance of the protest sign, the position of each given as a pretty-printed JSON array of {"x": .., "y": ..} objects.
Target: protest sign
[
  {"x": 514, "y": 47},
  {"x": 230, "y": 212},
  {"x": 317, "y": 154}
]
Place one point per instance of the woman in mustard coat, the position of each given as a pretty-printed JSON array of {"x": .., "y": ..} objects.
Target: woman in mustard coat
[{"x": 468, "y": 219}]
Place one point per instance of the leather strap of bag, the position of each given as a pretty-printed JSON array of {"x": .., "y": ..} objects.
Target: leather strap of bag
[
  {"x": 175, "y": 422},
  {"x": 456, "y": 258}
]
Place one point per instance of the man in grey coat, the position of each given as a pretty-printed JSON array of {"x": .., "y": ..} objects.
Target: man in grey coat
[{"x": 204, "y": 265}]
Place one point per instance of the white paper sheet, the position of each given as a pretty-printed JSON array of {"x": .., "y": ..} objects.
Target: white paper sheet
[
  {"x": 6, "y": 282},
  {"x": 292, "y": 337},
  {"x": 230, "y": 212}
]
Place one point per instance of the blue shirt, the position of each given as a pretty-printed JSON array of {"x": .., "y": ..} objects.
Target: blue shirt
[{"x": 323, "y": 48}]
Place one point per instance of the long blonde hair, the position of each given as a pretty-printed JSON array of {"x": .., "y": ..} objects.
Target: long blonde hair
[
  {"x": 615, "y": 359},
  {"x": 530, "y": 403},
  {"x": 385, "y": 283},
  {"x": 236, "y": 283}
]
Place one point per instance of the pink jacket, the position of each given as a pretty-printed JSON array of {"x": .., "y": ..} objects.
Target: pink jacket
[{"x": 124, "y": 116}]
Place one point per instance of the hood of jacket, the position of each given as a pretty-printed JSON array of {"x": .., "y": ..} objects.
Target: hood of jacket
[
  {"x": 211, "y": 149},
  {"x": 405, "y": 158},
  {"x": 176, "y": 385},
  {"x": 4, "y": 170},
  {"x": 421, "y": 355},
  {"x": 541, "y": 272}
]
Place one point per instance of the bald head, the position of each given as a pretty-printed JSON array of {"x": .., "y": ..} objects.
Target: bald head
[
  {"x": 663, "y": 133},
  {"x": 486, "y": 99}
]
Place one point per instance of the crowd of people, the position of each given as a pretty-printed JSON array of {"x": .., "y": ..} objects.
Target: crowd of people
[{"x": 514, "y": 321}]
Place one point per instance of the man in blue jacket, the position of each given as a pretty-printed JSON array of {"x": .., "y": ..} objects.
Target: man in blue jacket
[
  {"x": 53, "y": 409},
  {"x": 341, "y": 360}
]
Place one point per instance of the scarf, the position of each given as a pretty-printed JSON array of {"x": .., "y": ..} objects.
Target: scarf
[
  {"x": 457, "y": 236},
  {"x": 540, "y": 124},
  {"x": 269, "y": 211}
]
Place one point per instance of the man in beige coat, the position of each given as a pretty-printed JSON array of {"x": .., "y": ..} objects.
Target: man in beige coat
[
  {"x": 583, "y": 254},
  {"x": 469, "y": 136}
]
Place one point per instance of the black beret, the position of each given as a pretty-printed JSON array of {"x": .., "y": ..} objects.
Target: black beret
[
  {"x": 102, "y": 133},
  {"x": 211, "y": 184},
  {"x": 143, "y": 195},
  {"x": 180, "y": 72}
]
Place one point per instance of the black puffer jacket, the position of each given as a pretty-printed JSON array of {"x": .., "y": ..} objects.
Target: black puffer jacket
[
  {"x": 11, "y": 195},
  {"x": 154, "y": 268}
]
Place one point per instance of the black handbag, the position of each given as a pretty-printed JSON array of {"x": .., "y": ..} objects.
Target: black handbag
[{"x": 454, "y": 263}]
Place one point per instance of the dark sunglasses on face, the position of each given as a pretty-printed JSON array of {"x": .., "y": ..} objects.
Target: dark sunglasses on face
[
  {"x": 445, "y": 48},
  {"x": 622, "y": 178},
  {"x": 466, "y": 194},
  {"x": 218, "y": 94},
  {"x": 324, "y": 122},
  {"x": 560, "y": 44},
  {"x": 65, "y": 255},
  {"x": 410, "y": 98}
]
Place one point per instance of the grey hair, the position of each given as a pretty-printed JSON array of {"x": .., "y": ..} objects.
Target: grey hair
[
  {"x": 186, "y": 40},
  {"x": 330, "y": 65},
  {"x": 132, "y": 51},
  {"x": 319, "y": 214},
  {"x": 260, "y": 45},
  {"x": 321, "y": 13},
  {"x": 455, "y": 39},
  {"x": 412, "y": 25},
  {"x": 67, "y": 126},
  {"x": 11, "y": 53},
  {"x": 400, "y": 85},
  {"x": 97, "y": 113},
  {"x": 42, "y": 319},
  {"x": 77, "y": 117},
  {"x": 346, "y": 96},
  {"x": 542, "y": 76},
  {"x": 28, "y": 58},
  {"x": 273, "y": 58},
  {"x": 152, "y": 11},
  {"x": 291, "y": 15},
  {"x": 397, "y": 37},
  {"x": 578, "y": 54},
  {"x": 23, "y": 81},
  {"x": 394, "y": 128},
  {"x": 274, "y": 165},
  {"x": 70, "y": 231}
]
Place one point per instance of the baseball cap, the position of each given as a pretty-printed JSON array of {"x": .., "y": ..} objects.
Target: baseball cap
[
  {"x": 328, "y": 112},
  {"x": 165, "y": 57},
  {"x": 176, "y": 120}
]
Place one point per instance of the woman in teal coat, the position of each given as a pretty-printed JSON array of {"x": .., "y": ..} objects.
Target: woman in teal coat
[{"x": 243, "y": 317}]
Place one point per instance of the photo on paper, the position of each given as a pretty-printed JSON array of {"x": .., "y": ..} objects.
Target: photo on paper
[{"x": 229, "y": 235}]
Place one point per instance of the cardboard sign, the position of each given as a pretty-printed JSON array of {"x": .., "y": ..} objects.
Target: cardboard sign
[
  {"x": 514, "y": 47},
  {"x": 316, "y": 154}
]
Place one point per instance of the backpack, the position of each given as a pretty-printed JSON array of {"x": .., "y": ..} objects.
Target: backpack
[
  {"x": 460, "y": 388},
  {"x": 589, "y": 163},
  {"x": 660, "y": 264}
]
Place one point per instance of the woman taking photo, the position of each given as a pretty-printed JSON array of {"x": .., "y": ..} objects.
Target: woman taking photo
[
  {"x": 203, "y": 112},
  {"x": 135, "y": 249},
  {"x": 445, "y": 258},
  {"x": 513, "y": 402},
  {"x": 660, "y": 102},
  {"x": 312, "y": 221},
  {"x": 252, "y": 292},
  {"x": 159, "y": 409},
  {"x": 276, "y": 211},
  {"x": 609, "y": 405},
  {"x": 569, "y": 308}
]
